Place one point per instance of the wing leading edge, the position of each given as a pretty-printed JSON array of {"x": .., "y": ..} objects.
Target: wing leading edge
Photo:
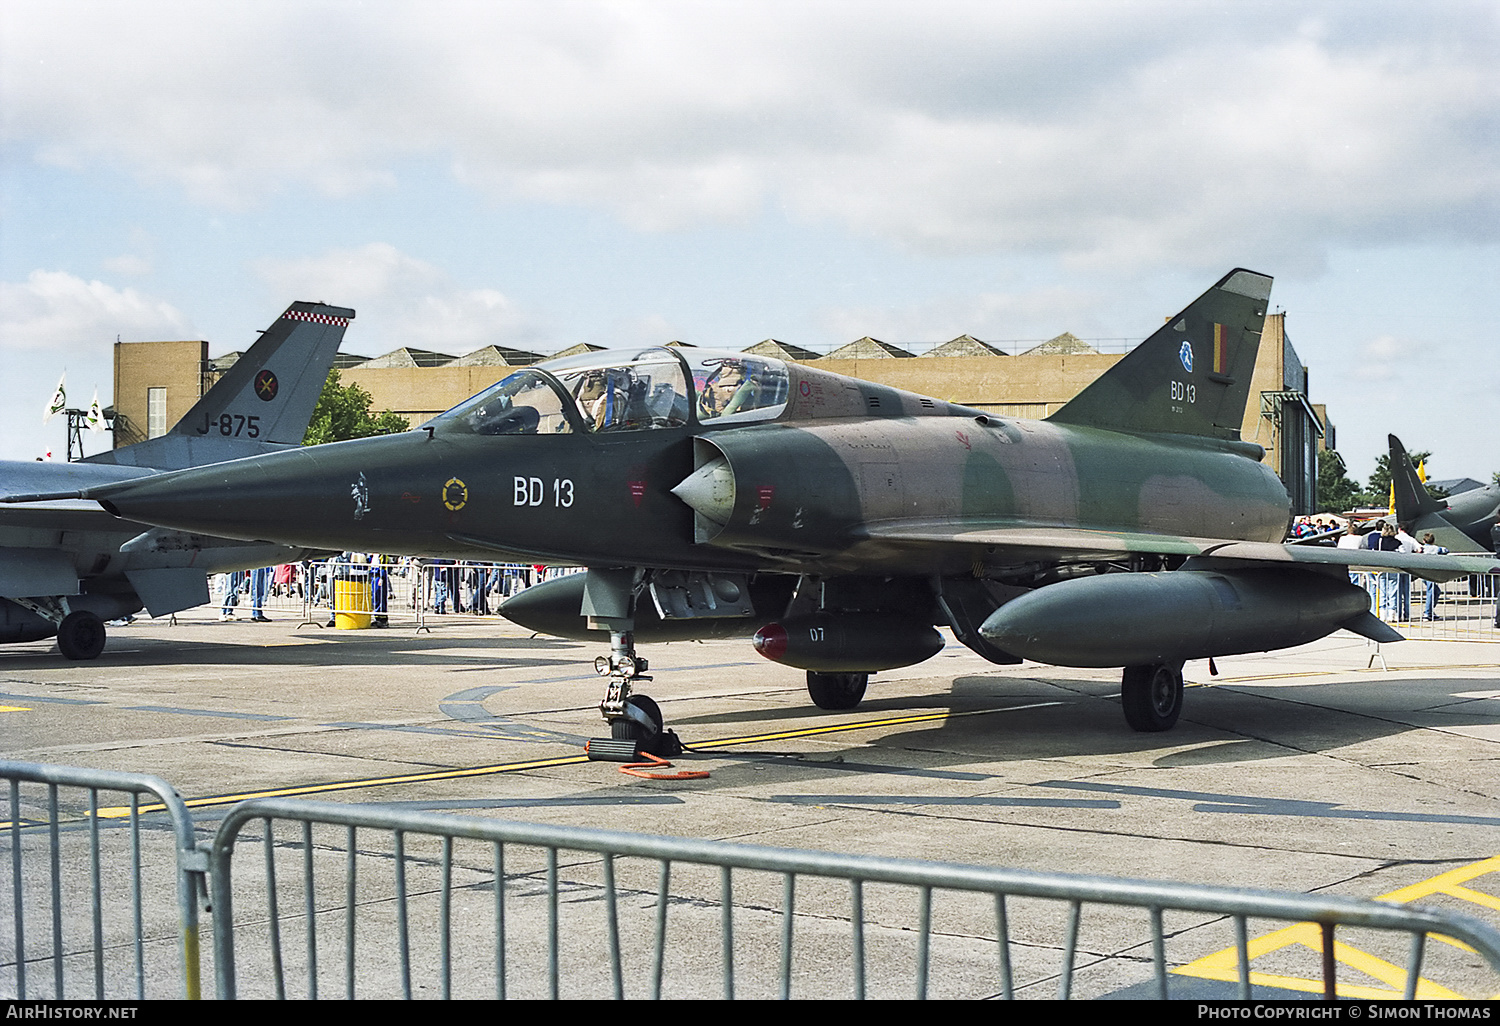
[{"x": 1077, "y": 544}]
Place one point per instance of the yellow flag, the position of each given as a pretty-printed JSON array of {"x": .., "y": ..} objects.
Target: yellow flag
[
  {"x": 1393, "y": 497},
  {"x": 1422, "y": 471}
]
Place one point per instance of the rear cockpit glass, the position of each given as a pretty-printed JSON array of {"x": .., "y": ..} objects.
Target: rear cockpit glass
[
  {"x": 613, "y": 392},
  {"x": 738, "y": 388},
  {"x": 525, "y": 403}
]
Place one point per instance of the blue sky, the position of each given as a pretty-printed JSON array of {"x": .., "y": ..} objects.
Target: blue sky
[{"x": 542, "y": 174}]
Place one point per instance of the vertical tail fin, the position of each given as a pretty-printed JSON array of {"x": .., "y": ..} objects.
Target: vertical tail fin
[
  {"x": 264, "y": 401},
  {"x": 1417, "y": 510},
  {"x": 1412, "y": 497},
  {"x": 1192, "y": 376},
  {"x": 278, "y": 380}
]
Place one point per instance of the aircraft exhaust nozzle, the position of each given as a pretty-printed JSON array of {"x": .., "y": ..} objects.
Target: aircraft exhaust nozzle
[{"x": 1137, "y": 619}]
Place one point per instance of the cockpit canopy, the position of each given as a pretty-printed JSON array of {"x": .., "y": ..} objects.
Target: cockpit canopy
[{"x": 616, "y": 390}]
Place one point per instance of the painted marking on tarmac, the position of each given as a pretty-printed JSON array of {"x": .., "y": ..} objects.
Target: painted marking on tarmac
[
  {"x": 354, "y": 785},
  {"x": 14, "y": 708},
  {"x": 836, "y": 728},
  {"x": 1374, "y": 670},
  {"x": 50, "y": 699},
  {"x": 468, "y": 707},
  {"x": 1224, "y": 966},
  {"x": 504, "y": 730},
  {"x": 586, "y": 801},
  {"x": 181, "y": 711},
  {"x": 918, "y": 799},
  {"x": 580, "y": 677},
  {"x": 1261, "y": 805},
  {"x": 566, "y": 760}
]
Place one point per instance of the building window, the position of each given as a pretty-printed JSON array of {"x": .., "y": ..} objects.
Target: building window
[{"x": 156, "y": 412}]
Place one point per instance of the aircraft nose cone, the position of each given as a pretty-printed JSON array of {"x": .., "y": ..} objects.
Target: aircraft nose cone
[{"x": 709, "y": 490}]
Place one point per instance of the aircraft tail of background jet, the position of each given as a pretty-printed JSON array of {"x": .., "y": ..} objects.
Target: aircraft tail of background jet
[
  {"x": 1420, "y": 513},
  {"x": 1192, "y": 376},
  {"x": 262, "y": 403},
  {"x": 1413, "y": 500}
]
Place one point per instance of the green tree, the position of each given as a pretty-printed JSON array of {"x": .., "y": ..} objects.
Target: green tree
[
  {"x": 343, "y": 411},
  {"x": 1336, "y": 492}
]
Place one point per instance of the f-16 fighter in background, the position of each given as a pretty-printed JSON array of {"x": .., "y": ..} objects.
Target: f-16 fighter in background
[{"x": 66, "y": 568}]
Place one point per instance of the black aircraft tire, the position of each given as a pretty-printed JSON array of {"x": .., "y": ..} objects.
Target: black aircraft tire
[
  {"x": 1151, "y": 697},
  {"x": 629, "y": 730},
  {"x": 836, "y": 690},
  {"x": 80, "y": 635}
]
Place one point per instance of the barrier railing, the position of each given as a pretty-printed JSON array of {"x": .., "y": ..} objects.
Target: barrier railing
[
  {"x": 554, "y": 911},
  {"x": 392, "y": 592},
  {"x": 1460, "y": 610},
  {"x": 66, "y": 910}
]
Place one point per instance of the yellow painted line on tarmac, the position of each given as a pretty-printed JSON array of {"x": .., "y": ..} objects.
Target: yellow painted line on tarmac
[
  {"x": 353, "y": 785},
  {"x": 835, "y": 728},
  {"x": 117, "y": 812},
  {"x": 1224, "y": 965},
  {"x": 15, "y": 708}
]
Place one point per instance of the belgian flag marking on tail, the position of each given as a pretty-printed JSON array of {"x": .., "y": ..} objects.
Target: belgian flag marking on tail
[{"x": 1221, "y": 349}]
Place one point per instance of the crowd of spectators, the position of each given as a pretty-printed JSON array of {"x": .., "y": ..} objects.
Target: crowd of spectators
[{"x": 435, "y": 586}]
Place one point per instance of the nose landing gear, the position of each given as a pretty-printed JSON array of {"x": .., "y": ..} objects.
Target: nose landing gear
[{"x": 635, "y": 721}]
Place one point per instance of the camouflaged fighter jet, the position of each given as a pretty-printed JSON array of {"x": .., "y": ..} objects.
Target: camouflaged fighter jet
[
  {"x": 66, "y": 568},
  {"x": 1465, "y": 522},
  {"x": 713, "y": 494}
]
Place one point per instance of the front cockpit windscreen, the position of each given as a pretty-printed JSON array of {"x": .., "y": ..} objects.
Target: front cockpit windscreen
[
  {"x": 614, "y": 391},
  {"x": 525, "y": 403},
  {"x": 735, "y": 387}
]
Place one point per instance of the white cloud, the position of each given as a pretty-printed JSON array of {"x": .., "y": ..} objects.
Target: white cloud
[
  {"x": 54, "y": 322},
  {"x": 1121, "y": 135},
  {"x": 1389, "y": 358},
  {"x": 406, "y": 302},
  {"x": 57, "y": 311}
]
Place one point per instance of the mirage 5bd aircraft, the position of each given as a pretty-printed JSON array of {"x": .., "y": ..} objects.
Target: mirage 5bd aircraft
[{"x": 713, "y": 494}]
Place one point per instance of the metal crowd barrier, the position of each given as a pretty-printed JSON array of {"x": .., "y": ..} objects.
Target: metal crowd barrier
[
  {"x": 394, "y": 591},
  {"x": 1461, "y": 610},
  {"x": 521, "y": 911},
  {"x": 66, "y": 910}
]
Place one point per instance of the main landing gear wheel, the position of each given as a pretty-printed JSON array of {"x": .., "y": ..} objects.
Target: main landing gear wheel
[
  {"x": 1152, "y": 696},
  {"x": 836, "y": 690},
  {"x": 80, "y": 635}
]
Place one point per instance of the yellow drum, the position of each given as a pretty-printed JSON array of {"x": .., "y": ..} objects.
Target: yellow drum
[{"x": 351, "y": 604}]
